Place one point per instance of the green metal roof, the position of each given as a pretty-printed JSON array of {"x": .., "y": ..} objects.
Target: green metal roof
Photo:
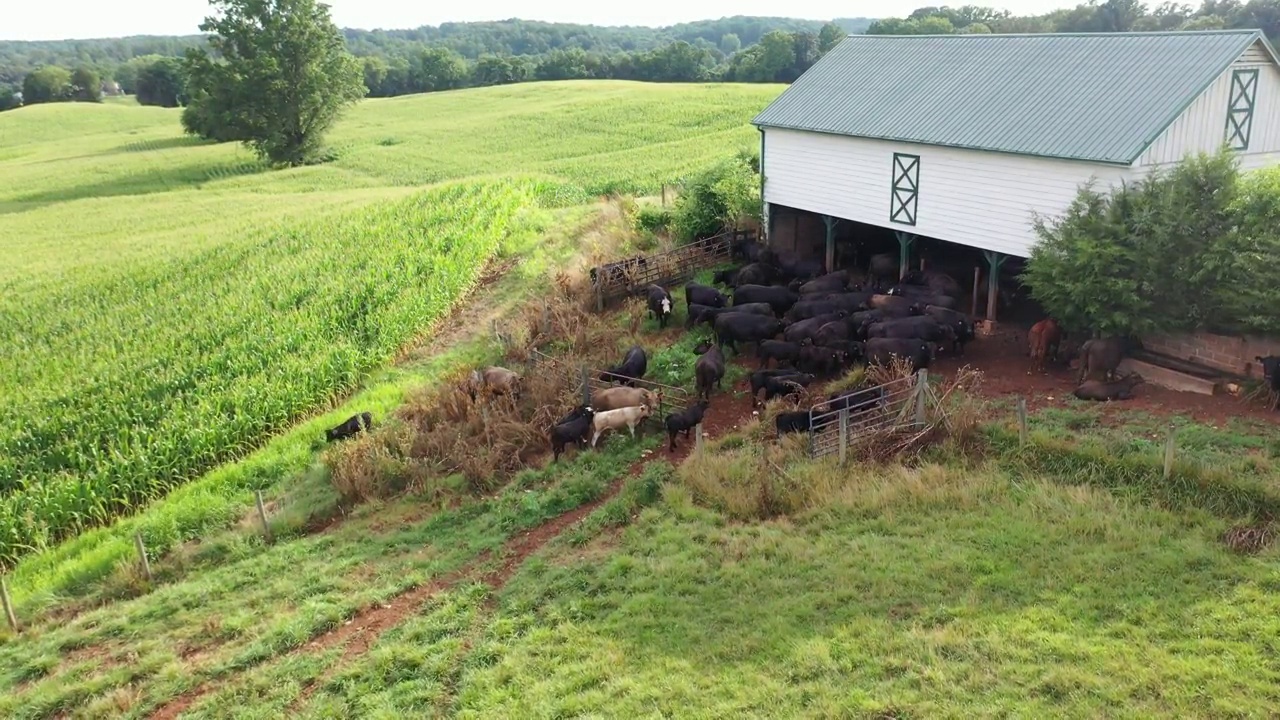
[{"x": 1100, "y": 97}]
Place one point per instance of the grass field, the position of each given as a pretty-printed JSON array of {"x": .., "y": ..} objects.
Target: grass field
[
  {"x": 170, "y": 303},
  {"x": 229, "y": 309}
]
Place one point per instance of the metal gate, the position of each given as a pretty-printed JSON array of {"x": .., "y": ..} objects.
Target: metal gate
[
  {"x": 836, "y": 423},
  {"x": 631, "y": 276}
]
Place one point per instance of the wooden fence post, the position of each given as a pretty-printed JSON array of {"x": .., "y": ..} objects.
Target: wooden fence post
[
  {"x": 262, "y": 516},
  {"x": 1022, "y": 421},
  {"x": 546, "y": 318},
  {"x": 844, "y": 433},
  {"x": 697, "y": 438},
  {"x": 142, "y": 554},
  {"x": 586, "y": 386},
  {"x": 1169, "y": 443},
  {"x": 922, "y": 384},
  {"x": 8, "y": 605}
]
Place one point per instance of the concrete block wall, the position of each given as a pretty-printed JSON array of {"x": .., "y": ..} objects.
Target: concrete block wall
[{"x": 1229, "y": 354}]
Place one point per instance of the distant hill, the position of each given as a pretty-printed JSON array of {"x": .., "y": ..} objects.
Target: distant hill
[{"x": 471, "y": 40}]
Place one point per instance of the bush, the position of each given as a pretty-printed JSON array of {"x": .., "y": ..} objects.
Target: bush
[
  {"x": 725, "y": 195},
  {"x": 1150, "y": 258},
  {"x": 1249, "y": 290},
  {"x": 654, "y": 219}
]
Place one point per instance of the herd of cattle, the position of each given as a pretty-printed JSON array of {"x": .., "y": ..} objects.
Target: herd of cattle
[{"x": 805, "y": 324}]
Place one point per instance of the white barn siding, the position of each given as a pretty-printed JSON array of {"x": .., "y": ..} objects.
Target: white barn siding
[
  {"x": 1203, "y": 126},
  {"x": 980, "y": 199}
]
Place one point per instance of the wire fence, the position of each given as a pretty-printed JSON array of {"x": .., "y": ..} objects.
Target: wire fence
[{"x": 837, "y": 423}]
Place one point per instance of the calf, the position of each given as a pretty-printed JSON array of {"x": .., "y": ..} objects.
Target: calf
[
  {"x": 820, "y": 360},
  {"x": 881, "y": 351},
  {"x": 659, "y": 304},
  {"x": 1102, "y": 356},
  {"x": 695, "y": 294},
  {"x": 1043, "y": 340},
  {"x": 620, "y": 397},
  {"x": 732, "y": 328},
  {"x": 572, "y": 428},
  {"x": 1271, "y": 372},
  {"x": 759, "y": 377},
  {"x": 779, "y": 350},
  {"x": 685, "y": 421},
  {"x": 1101, "y": 390},
  {"x": 349, "y": 427},
  {"x": 779, "y": 298},
  {"x": 792, "y": 422},
  {"x": 786, "y": 385},
  {"x": 493, "y": 380},
  {"x": 709, "y": 369},
  {"x": 615, "y": 420},
  {"x": 702, "y": 314},
  {"x": 632, "y": 368}
]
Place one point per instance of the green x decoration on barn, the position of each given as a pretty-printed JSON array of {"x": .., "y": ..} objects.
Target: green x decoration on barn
[
  {"x": 1244, "y": 88},
  {"x": 906, "y": 189}
]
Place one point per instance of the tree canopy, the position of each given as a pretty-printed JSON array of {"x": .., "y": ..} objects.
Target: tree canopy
[{"x": 279, "y": 78}]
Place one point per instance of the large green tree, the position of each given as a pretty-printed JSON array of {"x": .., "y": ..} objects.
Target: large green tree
[
  {"x": 86, "y": 85},
  {"x": 160, "y": 83},
  {"x": 281, "y": 77},
  {"x": 47, "y": 84}
]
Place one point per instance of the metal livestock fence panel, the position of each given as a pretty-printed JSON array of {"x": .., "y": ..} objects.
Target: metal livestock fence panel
[
  {"x": 670, "y": 398},
  {"x": 836, "y": 423},
  {"x": 631, "y": 276}
]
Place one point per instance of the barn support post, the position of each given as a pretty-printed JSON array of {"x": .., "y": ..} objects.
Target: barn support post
[
  {"x": 831, "y": 223},
  {"x": 905, "y": 241},
  {"x": 995, "y": 261}
]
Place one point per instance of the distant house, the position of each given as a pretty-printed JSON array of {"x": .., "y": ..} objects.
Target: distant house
[
  {"x": 962, "y": 138},
  {"x": 111, "y": 87}
]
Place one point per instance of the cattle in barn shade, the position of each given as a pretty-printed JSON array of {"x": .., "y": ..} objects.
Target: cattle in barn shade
[
  {"x": 833, "y": 332},
  {"x": 792, "y": 422},
  {"x": 1100, "y": 357},
  {"x": 615, "y": 420},
  {"x": 1101, "y": 390},
  {"x": 745, "y": 249},
  {"x": 732, "y": 328},
  {"x": 801, "y": 269},
  {"x": 882, "y": 351},
  {"x": 349, "y": 427},
  {"x": 755, "y": 274},
  {"x": 758, "y": 308},
  {"x": 922, "y": 296},
  {"x": 1043, "y": 340},
  {"x": 631, "y": 368},
  {"x": 702, "y": 314},
  {"x": 835, "y": 282},
  {"x": 493, "y": 380},
  {"x": 787, "y": 385},
  {"x": 883, "y": 266},
  {"x": 919, "y": 328},
  {"x": 572, "y": 428},
  {"x": 818, "y": 360},
  {"x": 708, "y": 370},
  {"x": 779, "y": 298},
  {"x": 695, "y": 294},
  {"x": 893, "y": 304},
  {"x": 780, "y": 350},
  {"x": 959, "y": 322},
  {"x": 685, "y": 421},
  {"x": 938, "y": 282},
  {"x": 800, "y": 330},
  {"x": 849, "y": 302},
  {"x": 1271, "y": 373},
  {"x": 660, "y": 304}
]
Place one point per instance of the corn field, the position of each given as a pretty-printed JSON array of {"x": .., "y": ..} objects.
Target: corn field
[{"x": 121, "y": 389}]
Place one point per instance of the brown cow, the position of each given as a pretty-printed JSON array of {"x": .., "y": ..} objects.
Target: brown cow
[{"x": 1044, "y": 338}]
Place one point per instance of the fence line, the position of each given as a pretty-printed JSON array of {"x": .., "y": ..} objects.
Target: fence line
[
  {"x": 620, "y": 279},
  {"x": 836, "y": 424}
]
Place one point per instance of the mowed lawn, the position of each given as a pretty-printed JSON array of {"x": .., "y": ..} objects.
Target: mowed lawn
[{"x": 170, "y": 303}]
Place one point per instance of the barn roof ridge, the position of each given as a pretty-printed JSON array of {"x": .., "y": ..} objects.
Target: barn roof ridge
[{"x": 1092, "y": 97}]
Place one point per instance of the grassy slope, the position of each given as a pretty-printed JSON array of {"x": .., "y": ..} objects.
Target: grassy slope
[{"x": 108, "y": 197}]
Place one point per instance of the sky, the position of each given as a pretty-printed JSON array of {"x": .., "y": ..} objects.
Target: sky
[{"x": 62, "y": 19}]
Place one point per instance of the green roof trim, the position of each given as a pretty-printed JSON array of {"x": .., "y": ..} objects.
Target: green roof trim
[{"x": 1093, "y": 97}]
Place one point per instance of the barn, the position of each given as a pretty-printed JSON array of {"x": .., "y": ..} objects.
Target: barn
[{"x": 960, "y": 141}]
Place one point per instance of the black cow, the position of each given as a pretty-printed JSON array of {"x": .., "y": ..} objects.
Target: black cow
[
  {"x": 919, "y": 328},
  {"x": 709, "y": 369},
  {"x": 755, "y": 274},
  {"x": 939, "y": 282},
  {"x": 881, "y": 351},
  {"x": 660, "y": 304},
  {"x": 883, "y": 266},
  {"x": 685, "y": 421},
  {"x": 792, "y": 422},
  {"x": 893, "y": 305},
  {"x": 758, "y": 308},
  {"x": 631, "y": 369},
  {"x": 759, "y": 377},
  {"x": 786, "y": 385},
  {"x": 820, "y": 360},
  {"x": 959, "y": 321},
  {"x": 779, "y": 350},
  {"x": 695, "y": 294},
  {"x": 833, "y": 332},
  {"x": 349, "y": 427},
  {"x": 857, "y": 402},
  {"x": 732, "y": 328},
  {"x": 779, "y": 298},
  {"x": 1103, "y": 356},
  {"x": 1100, "y": 390},
  {"x": 1271, "y": 372},
  {"x": 702, "y": 314},
  {"x": 830, "y": 283},
  {"x": 572, "y": 428},
  {"x": 726, "y": 277},
  {"x": 617, "y": 272},
  {"x": 808, "y": 328}
]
